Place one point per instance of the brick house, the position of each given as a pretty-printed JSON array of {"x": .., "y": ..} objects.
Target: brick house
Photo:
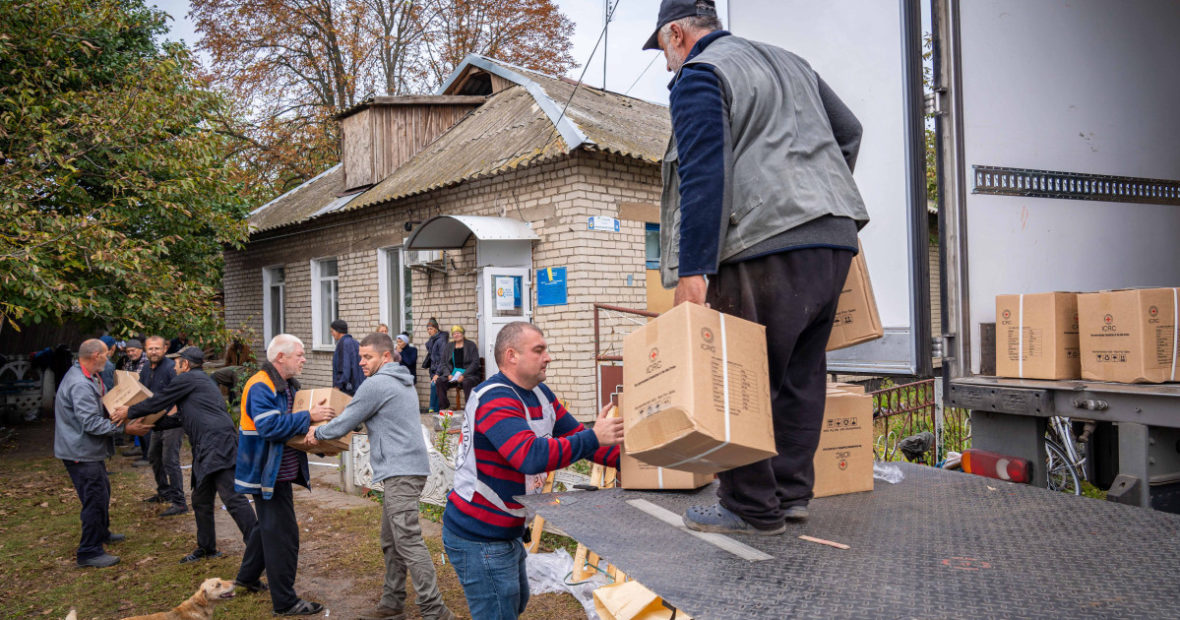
[{"x": 467, "y": 206}]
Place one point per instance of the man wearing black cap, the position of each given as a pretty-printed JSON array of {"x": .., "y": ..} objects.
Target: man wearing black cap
[
  {"x": 758, "y": 198},
  {"x": 346, "y": 360},
  {"x": 214, "y": 438}
]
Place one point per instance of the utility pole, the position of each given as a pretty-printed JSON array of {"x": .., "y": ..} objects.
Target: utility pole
[{"x": 605, "y": 37}]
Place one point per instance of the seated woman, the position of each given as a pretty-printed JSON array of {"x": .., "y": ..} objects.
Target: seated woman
[{"x": 461, "y": 366}]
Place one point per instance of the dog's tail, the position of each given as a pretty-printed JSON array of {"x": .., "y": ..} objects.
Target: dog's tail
[{"x": 73, "y": 615}]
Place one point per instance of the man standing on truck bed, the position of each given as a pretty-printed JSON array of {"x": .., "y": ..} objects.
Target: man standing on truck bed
[{"x": 758, "y": 197}]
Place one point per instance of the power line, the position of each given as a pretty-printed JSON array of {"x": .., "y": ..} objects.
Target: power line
[
  {"x": 587, "y": 65},
  {"x": 643, "y": 73}
]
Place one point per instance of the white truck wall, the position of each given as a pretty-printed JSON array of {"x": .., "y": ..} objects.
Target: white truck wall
[{"x": 1087, "y": 86}]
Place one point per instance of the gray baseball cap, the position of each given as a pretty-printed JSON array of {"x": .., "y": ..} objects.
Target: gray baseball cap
[{"x": 672, "y": 10}]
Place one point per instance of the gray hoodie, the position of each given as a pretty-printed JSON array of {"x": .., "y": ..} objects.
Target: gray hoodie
[
  {"x": 81, "y": 431},
  {"x": 388, "y": 405}
]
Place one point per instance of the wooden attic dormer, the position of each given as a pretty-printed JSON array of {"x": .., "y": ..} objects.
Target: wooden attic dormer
[
  {"x": 382, "y": 133},
  {"x": 475, "y": 80}
]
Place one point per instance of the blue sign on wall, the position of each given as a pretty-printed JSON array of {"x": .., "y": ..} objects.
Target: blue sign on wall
[{"x": 551, "y": 289}]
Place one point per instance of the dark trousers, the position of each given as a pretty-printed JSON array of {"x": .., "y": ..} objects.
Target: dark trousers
[
  {"x": 145, "y": 445},
  {"x": 94, "y": 491},
  {"x": 221, "y": 483},
  {"x": 794, "y": 294},
  {"x": 442, "y": 385},
  {"x": 164, "y": 455},
  {"x": 273, "y": 547}
]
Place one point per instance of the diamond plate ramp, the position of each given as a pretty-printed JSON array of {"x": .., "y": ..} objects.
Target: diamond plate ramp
[{"x": 939, "y": 544}]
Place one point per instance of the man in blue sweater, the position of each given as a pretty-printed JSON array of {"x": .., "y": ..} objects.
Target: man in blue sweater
[
  {"x": 267, "y": 468},
  {"x": 758, "y": 219},
  {"x": 387, "y": 404}
]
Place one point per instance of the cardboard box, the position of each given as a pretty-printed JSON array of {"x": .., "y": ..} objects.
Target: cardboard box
[
  {"x": 856, "y": 319},
  {"x": 335, "y": 399},
  {"x": 129, "y": 391},
  {"x": 844, "y": 459},
  {"x": 853, "y": 388},
  {"x": 631, "y": 600},
  {"x": 635, "y": 474},
  {"x": 697, "y": 391},
  {"x": 1037, "y": 336},
  {"x": 1129, "y": 336}
]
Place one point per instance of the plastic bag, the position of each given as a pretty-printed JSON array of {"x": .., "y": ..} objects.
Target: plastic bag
[
  {"x": 547, "y": 572},
  {"x": 888, "y": 472}
]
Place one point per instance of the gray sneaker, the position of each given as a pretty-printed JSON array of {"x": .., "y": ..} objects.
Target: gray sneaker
[
  {"x": 716, "y": 518},
  {"x": 381, "y": 612},
  {"x": 99, "y": 561},
  {"x": 796, "y": 513}
]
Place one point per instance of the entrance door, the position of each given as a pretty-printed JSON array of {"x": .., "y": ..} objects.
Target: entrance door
[{"x": 505, "y": 296}]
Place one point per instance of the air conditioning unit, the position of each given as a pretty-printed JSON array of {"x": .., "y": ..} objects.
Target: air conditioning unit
[{"x": 417, "y": 258}]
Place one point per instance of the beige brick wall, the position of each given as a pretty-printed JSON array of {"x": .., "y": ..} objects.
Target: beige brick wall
[{"x": 555, "y": 197}]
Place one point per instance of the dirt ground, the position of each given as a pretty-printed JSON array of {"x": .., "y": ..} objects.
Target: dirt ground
[{"x": 340, "y": 561}]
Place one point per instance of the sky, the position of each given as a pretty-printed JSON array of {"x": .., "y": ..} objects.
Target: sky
[{"x": 628, "y": 69}]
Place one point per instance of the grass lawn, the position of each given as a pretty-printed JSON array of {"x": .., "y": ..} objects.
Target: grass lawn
[{"x": 340, "y": 560}]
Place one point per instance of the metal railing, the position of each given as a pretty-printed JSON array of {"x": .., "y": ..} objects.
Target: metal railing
[{"x": 908, "y": 411}]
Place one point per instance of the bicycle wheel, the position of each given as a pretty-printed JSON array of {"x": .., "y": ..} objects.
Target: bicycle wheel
[{"x": 1059, "y": 474}]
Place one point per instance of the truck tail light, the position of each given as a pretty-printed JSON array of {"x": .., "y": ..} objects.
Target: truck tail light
[{"x": 992, "y": 465}]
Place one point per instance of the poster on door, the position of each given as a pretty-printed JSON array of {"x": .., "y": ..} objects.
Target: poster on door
[{"x": 505, "y": 293}]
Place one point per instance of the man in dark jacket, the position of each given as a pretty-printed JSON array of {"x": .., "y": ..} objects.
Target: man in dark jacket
[
  {"x": 346, "y": 360},
  {"x": 214, "y": 438},
  {"x": 82, "y": 440},
  {"x": 164, "y": 446},
  {"x": 759, "y": 198},
  {"x": 435, "y": 346}
]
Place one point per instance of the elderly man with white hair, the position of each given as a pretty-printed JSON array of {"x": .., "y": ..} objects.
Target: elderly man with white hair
[{"x": 266, "y": 469}]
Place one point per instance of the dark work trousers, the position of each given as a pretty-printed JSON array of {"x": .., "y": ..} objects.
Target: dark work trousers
[
  {"x": 145, "y": 445},
  {"x": 164, "y": 455},
  {"x": 442, "y": 385},
  {"x": 794, "y": 294},
  {"x": 220, "y": 482},
  {"x": 94, "y": 491},
  {"x": 273, "y": 547}
]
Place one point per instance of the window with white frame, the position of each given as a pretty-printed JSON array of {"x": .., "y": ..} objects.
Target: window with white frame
[
  {"x": 325, "y": 301},
  {"x": 274, "y": 311},
  {"x": 394, "y": 289}
]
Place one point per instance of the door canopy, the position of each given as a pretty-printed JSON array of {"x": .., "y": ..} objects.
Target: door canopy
[{"x": 449, "y": 232}]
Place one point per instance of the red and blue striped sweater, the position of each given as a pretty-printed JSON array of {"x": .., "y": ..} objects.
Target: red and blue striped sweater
[{"x": 506, "y": 449}]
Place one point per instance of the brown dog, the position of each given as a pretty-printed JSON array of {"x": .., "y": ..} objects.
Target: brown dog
[{"x": 199, "y": 606}]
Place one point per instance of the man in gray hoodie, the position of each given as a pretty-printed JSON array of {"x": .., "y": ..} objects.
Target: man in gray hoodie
[{"x": 388, "y": 405}]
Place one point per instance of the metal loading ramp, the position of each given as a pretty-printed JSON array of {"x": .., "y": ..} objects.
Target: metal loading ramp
[{"x": 939, "y": 544}]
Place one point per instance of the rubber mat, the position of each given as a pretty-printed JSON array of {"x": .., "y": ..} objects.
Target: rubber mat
[{"x": 938, "y": 544}]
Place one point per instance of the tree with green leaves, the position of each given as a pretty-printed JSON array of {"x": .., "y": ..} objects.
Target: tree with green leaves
[{"x": 116, "y": 194}]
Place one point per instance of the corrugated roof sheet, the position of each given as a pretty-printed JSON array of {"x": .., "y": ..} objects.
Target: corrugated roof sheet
[{"x": 315, "y": 197}]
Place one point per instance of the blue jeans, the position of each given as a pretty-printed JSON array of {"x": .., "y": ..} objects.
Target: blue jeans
[
  {"x": 433, "y": 398},
  {"x": 492, "y": 575}
]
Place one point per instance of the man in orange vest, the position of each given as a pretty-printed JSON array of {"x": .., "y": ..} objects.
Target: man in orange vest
[{"x": 266, "y": 469}]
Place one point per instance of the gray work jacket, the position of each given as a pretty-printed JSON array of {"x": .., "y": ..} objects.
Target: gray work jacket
[
  {"x": 82, "y": 432},
  {"x": 784, "y": 166}
]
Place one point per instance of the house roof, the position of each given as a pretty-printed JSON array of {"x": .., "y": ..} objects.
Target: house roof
[
  {"x": 519, "y": 126},
  {"x": 317, "y": 196}
]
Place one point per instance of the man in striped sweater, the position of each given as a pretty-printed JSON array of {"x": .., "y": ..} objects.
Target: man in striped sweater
[{"x": 515, "y": 431}]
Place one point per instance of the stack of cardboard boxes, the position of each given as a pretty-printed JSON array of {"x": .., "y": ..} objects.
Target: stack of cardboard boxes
[
  {"x": 696, "y": 401},
  {"x": 1123, "y": 336}
]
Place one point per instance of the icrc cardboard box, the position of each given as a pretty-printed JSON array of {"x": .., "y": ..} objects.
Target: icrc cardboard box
[
  {"x": 856, "y": 318},
  {"x": 335, "y": 399},
  {"x": 1037, "y": 336},
  {"x": 634, "y": 474},
  {"x": 128, "y": 391},
  {"x": 844, "y": 459},
  {"x": 697, "y": 391},
  {"x": 1129, "y": 336}
]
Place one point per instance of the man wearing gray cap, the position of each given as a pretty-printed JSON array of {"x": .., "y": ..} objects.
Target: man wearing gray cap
[
  {"x": 759, "y": 199},
  {"x": 135, "y": 359},
  {"x": 211, "y": 431}
]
